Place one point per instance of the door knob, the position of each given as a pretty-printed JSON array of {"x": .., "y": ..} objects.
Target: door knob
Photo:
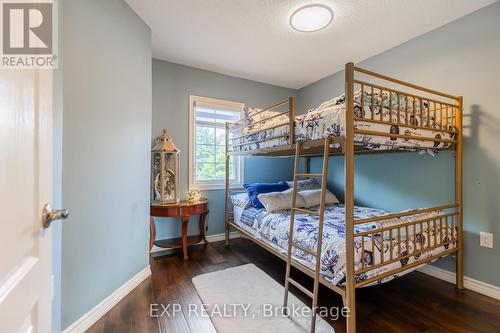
[{"x": 49, "y": 215}]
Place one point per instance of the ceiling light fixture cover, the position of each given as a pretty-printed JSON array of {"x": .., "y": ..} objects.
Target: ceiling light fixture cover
[{"x": 311, "y": 18}]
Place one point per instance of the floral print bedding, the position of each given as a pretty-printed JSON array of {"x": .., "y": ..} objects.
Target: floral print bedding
[
  {"x": 329, "y": 120},
  {"x": 273, "y": 228}
]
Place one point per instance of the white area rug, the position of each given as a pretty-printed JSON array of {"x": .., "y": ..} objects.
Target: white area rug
[{"x": 245, "y": 299}]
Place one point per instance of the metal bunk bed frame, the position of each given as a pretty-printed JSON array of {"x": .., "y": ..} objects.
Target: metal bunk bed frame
[{"x": 447, "y": 117}]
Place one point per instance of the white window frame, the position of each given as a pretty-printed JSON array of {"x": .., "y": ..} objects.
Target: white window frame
[{"x": 211, "y": 184}]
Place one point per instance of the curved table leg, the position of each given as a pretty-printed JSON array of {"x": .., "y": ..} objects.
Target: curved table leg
[
  {"x": 203, "y": 216},
  {"x": 185, "y": 220},
  {"x": 152, "y": 232}
]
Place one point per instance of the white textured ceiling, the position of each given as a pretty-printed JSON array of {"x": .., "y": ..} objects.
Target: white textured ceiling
[{"x": 252, "y": 39}]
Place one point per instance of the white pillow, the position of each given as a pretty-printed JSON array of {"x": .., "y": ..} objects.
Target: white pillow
[
  {"x": 313, "y": 197},
  {"x": 241, "y": 200},
  {"x": 305, "y": 184},
  {"x": 275, "y": 201}
]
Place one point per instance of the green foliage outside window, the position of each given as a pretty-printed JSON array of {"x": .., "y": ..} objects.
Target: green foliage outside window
[{"x": 210, "y": 153}]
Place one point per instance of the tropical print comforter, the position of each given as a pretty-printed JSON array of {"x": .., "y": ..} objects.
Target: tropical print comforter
[
  {"x": 329, "y": 120},
  {"x": 273, "y": 228}
]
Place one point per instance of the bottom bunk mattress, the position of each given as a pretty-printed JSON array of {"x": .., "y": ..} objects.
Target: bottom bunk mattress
[{"x": 273, "y": 228}]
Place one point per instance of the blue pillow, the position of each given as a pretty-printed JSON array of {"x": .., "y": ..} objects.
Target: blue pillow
[{"x": 254, "y": 189}]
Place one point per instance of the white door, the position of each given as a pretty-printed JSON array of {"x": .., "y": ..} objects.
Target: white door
[{"x": 25, "y": 186}]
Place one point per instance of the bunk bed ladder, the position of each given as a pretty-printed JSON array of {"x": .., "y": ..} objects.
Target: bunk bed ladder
[{"x": 317, "y": 254}]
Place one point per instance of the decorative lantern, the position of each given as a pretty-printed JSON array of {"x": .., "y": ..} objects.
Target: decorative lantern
[{"x": 165, "y": 170}]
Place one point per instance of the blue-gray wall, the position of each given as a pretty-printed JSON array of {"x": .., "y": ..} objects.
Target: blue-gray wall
[
  {"x": 172, "y": 85},
  {"x": 462, "y": 58},
  {"x": 106, "y": 139}
]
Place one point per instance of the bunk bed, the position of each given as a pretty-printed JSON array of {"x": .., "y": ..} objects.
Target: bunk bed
[{"x": 358, "y": 246}]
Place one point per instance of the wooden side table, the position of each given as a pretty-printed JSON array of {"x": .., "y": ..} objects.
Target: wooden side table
[{"x": 184, "y": 209}]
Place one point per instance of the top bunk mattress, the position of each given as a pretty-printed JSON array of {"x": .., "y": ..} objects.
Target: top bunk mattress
[{"x": 329, "y": 120}]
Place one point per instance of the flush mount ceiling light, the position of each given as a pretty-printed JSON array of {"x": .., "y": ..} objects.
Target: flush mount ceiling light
[{"x": 311, "y": 18}]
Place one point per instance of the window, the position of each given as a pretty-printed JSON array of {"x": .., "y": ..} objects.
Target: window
[{"x": 207, "y": 143}]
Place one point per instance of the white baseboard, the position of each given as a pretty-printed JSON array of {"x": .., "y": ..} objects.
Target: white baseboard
[
  {"x": 209, "y": 238},
  {"x": 221, "y": 237},
  {"x": 469, "y": 283},
  {"x": 91, "y": 317}
]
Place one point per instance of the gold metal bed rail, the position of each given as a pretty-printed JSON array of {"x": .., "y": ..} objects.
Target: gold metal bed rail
[
  {"x": 241, "y": 130},
  {"x": 397, "y": 108},
  {"x": 435, "y": 115},
  {"x": 399, "y": 240}
]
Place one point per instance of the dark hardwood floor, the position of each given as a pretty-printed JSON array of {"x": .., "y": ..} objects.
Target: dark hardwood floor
[{"x": 413, "y": 303}]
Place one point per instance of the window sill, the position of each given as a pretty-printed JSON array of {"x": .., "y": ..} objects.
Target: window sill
[{"x": 213, "y": 187}]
